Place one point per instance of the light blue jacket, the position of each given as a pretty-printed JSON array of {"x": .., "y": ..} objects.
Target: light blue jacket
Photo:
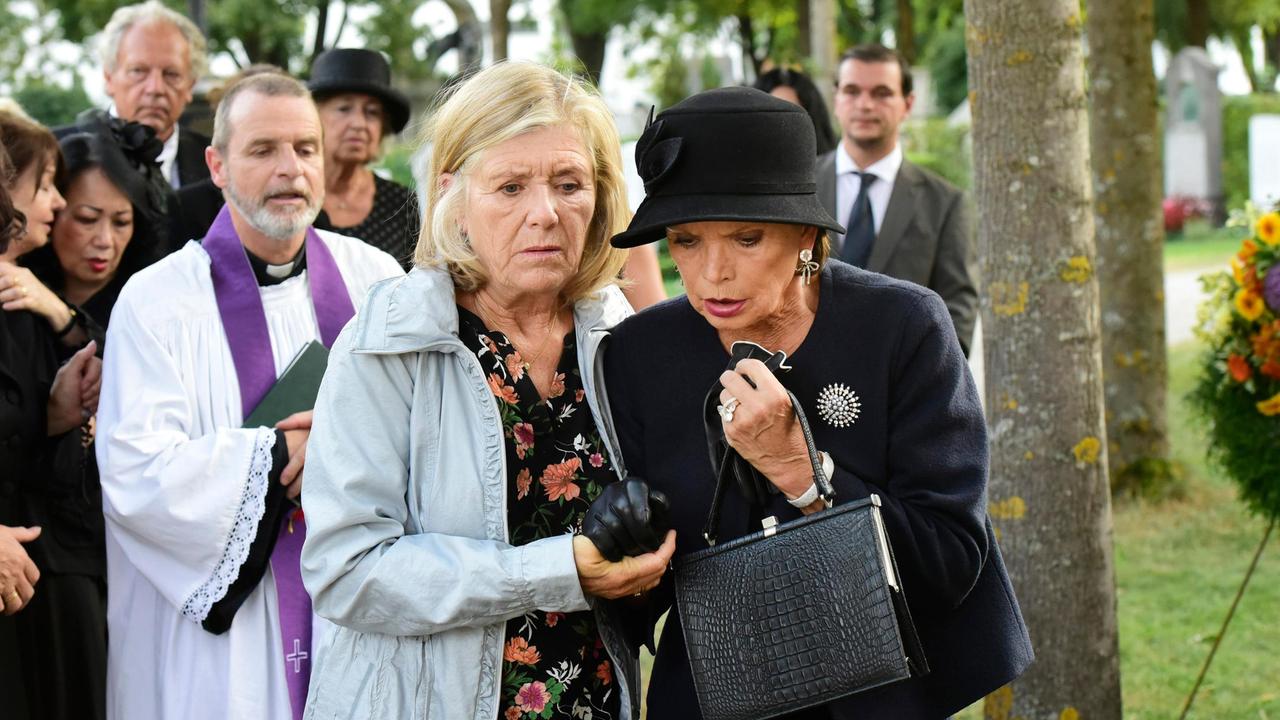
[{"x": 405, "y": 501}]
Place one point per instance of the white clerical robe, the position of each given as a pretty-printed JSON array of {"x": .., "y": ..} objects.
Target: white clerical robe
[{"x": 184, "y": 489}]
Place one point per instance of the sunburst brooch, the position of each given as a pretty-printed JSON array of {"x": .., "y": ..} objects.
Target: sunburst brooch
[{"x": 839, "y": 405}]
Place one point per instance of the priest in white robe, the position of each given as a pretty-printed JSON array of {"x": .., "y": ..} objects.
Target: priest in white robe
[{"x": 198, "y": 508}]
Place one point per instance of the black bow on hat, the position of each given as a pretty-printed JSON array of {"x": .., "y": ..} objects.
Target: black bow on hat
[{"x": 732, "y": 153}]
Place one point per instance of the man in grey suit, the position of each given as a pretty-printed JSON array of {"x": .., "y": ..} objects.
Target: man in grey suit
[{"x": 900, "y": 219}]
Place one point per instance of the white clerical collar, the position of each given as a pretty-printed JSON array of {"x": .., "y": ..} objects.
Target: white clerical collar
[
  {"x": 886, "y": 168},
  {"x": 168, "y": 155},
  {"x": 281, "y": 271}
]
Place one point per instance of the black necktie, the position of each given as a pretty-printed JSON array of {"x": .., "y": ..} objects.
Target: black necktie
[{"x": 860, "y": 230}]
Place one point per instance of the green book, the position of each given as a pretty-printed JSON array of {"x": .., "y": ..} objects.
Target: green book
[{"x": 296, "y": 388}]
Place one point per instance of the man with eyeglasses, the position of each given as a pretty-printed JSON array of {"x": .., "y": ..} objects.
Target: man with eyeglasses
[
  {"x": 152, "y": 57},
  {"x": 900, "y": 219}
]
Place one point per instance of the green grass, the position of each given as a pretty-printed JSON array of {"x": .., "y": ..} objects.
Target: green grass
[
  {"x": 1201, "y": 245},
  {"x": 1178, "y": 565}
]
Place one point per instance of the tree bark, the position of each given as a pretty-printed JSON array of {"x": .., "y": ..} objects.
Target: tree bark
[
  {"x": 589, "y": 48},
  {"x": 1240, "y": 38},
  {"x": 468, "y": 38},
  {"x": 499, "y": 27},
  {"x": 905, "y": 32},
  {"x": 822, "y": 30},
  {"x": 322, "y": 26},
  {"x": 1040, "y": 315},
  {"x": 804, "y": 43},
  {"x": 747, "y": 34},
  {"x": 1129, "y": 227},
  {"x": 1198, "y": 22}
]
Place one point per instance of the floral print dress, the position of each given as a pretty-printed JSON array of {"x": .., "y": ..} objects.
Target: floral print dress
[{"x": 553, "y": 664}]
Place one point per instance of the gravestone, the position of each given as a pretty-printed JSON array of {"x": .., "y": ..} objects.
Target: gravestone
[
  {"x": 1193, "y": 131},
  {"x": 1264, "y": 151}
]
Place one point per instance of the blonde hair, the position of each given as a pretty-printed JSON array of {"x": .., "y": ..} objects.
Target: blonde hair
[{"x": 494, "y": 105}]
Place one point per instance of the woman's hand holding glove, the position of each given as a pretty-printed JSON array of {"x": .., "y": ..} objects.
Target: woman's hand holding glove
[
  {"x": 628, "y": 518},
  {"x": 626, "y": 541}
]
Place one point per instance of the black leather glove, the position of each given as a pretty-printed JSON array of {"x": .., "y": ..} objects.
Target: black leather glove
[{"x": 628, "y": 518}]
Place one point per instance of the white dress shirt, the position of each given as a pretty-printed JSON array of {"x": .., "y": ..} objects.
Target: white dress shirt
[
  {"x": 168, "y": 160},
  {"x": 848, "y": 184}
]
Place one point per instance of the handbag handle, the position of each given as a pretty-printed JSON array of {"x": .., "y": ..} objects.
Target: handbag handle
[{"x": 825, "y": 489}]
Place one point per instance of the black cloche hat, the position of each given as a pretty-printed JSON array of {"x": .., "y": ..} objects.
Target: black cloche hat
[
  {"x": 733, "y": 153},
  {"x": 360, "y": 71}
]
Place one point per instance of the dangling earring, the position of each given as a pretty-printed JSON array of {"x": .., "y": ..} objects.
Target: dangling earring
[{"x": 808, "y": 266}]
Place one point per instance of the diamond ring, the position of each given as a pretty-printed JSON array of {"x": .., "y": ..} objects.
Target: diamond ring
[{"x": 726, "y": 409}]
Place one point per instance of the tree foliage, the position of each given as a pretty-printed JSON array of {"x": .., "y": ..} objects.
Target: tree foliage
[{"x": 1180, "y": 23}]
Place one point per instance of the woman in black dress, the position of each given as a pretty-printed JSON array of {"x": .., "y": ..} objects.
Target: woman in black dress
[
  {"x": 877, "y": 369},
  {"x": 358, "y": 107},
  {"x": 39, "y": 403}
]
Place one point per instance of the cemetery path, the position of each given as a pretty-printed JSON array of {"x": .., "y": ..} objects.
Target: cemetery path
[{"x": 1182, "y": 295}]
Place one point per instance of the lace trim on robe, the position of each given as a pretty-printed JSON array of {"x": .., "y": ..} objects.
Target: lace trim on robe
[{"x": 243, "y": 531}]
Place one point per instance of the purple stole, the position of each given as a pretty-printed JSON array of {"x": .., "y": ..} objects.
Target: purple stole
[{"x": 245, "y": 323}]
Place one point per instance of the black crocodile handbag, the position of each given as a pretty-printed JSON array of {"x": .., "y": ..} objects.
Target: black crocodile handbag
[{"x": 795, "y": 615}]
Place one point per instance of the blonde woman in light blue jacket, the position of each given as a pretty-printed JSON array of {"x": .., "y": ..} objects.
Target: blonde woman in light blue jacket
[{"x": 462, "y": 431}]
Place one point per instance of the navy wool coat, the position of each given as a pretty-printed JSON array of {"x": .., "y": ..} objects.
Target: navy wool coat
[{"x": 919, "y": 441}]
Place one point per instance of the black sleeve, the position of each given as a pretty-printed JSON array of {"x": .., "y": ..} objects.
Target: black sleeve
[
  {"x": 637, "y": 618},
  {"x": 255, "y": 565},
  {"x": 935, "y": 500}
]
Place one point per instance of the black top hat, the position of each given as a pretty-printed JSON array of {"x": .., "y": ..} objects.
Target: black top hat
[
  {"x": 359, "y": 71},
  {"x": 734, "y": 153}
]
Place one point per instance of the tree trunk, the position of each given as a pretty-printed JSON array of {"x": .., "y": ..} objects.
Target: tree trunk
[
  {"x": 499, "y": 27},
  {"x": 1049, "y": 497},
  {"x": 1198, "y": 22},
  {"x": 822, "y": 30},
  {"x": 1240, "y": 38},
  {"x": 804, "y": 43},
  {"x": 905, "y": 32},
  {"x": 469, "y": 38},
  {"x": 747, "y": 34},
  {"x": 589, "y": 48},
  {"x": 195, "y": 11},
  {"x": 322, "y": 26},
  {"x": 1129, "y": 227}
]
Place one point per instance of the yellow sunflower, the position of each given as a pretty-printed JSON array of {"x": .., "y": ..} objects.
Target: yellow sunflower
[
  {"x": 1249, "y": 304},
  {"x": 1268, "y": 228},
  {"x": 1270, "y": 406}
]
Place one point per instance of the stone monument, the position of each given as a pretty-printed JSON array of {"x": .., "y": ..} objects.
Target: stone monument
[
  {"x": 1193, "y": 131},
  {"x": 1264, "y": 151}
]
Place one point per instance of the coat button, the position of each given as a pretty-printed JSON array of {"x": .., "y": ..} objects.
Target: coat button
[{"x": 11, "y": 395}]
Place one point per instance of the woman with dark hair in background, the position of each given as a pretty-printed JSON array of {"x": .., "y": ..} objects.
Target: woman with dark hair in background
[
  {"x": 39, "y": 404},
  {"x": 796, "y": 88},
  {"x": 115, "y": 217}
]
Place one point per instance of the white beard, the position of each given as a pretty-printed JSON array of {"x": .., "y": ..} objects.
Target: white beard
[{"x": 272, "y": 223}]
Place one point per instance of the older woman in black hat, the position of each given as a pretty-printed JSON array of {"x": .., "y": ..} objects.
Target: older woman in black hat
[
  {"x": 358, "y": 107},
  {"x": 875, "y": 367}
]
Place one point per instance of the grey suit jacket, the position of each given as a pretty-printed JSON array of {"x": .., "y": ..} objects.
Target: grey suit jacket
[{"x": 924, "y": 238}]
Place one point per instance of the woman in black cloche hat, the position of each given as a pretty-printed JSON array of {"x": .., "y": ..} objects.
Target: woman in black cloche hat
[
  {"x": 358, "y": 107},
  {"x": 875, "y": 366}
]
